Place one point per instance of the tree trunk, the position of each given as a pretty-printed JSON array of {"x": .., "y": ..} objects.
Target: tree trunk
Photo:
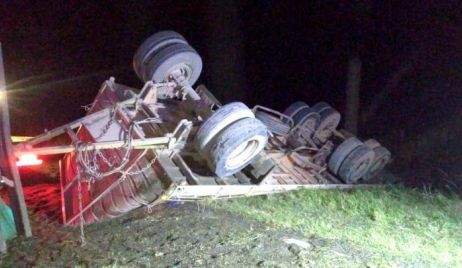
[
  {"x": 225, "y": 46},
  {"x": 352, "y": 95}
]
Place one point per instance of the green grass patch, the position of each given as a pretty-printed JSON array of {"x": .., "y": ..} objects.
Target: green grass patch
[{"x": 393, "y": 223}]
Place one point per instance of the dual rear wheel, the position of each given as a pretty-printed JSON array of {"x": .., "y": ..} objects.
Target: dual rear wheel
[
  {"x": 315, "y": 123},
  {"x": 164, "y": 52},
  {"x": 231, "y": 138},
  {"x": 353, "y": 160}
]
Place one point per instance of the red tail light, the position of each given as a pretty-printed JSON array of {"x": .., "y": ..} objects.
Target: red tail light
[{"x": 28, "y": 160}]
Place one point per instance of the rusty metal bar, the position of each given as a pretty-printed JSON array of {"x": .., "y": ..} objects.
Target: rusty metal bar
[
  {"x": 72, "y": 135},
  {"x": 197, "y": 192},
  {"x": 158, "y": 143},
  {"x": 62, "y": 129},
  {"x": 61, "y": 184}
]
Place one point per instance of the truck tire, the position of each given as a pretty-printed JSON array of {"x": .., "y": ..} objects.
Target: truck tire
[
  {"x": 302, "y": 133},
  {"x": 294, "y": 108},
  {"x": 356, "y": 164},
  {"x": 151, "y": 45},
  {"x": 274, "y": 124},
  {"x": 295, "y": 111},
  {"x": 330, "y": 119},
  {"x": 175, "y": 56},
  {"x": 341, "y": 152},
  {"x": 219, "y": 120},
  {"x": 381, "y": 159},
  {"x": 321, "y": 106},
  {"x": 309, "y": 118},
  {"x": 236, "y": 146},
  {"x": 372, "y": 143}
]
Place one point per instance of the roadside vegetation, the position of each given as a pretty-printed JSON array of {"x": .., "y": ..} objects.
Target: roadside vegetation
[
  {"x": 379, "y": 227},
  {"x": 396, "y": 225}
]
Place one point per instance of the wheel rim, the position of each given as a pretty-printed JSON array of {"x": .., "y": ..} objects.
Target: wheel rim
[
  {"x": 221, "y": 119},
  {"x": 330, "y": 119},
  {"x": 243, "y": 153},
  {"x": 359, "y": 170},
  {"x": 175, "y": 56},
  {"x": 185, "y": 69},
  {"x": 311, "y": 123},
  {"x": 377, "y": 166}
]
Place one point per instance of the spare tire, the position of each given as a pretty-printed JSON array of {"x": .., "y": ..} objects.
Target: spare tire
[
  {"x": 236, "y": 146},
  {"x": 219, "y": 120},
  {"x": 356, "y": 164},
  {"x": 151, "y": 45}
]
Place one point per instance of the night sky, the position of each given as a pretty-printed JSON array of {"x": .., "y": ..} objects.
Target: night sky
[{"x": 289, "y": 51}]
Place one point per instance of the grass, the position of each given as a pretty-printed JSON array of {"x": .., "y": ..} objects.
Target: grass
[
  {"x": 399, "y": 226},
  {"x": 380, "y": 227}
]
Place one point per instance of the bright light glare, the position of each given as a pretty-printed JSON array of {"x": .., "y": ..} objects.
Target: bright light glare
[
  {"x": 20, "y": 138},
  {"x": 28, "y": 160}
]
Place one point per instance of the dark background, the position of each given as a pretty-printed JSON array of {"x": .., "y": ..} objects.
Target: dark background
[{"x": 269, "y": 52}]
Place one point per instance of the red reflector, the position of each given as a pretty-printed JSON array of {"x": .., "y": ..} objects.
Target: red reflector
[{"x": 28, "y": 160}]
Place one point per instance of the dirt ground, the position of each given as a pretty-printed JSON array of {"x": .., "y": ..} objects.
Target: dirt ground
[{"x": 188, "y": 235}]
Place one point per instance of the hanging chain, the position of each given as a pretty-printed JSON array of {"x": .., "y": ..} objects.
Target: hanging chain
[
  {"x": 145, "y": 168},
  {"x": 88, "y": 162},
  {"x": 109, "y": 123},
  {"x": 85, "y": 154}
]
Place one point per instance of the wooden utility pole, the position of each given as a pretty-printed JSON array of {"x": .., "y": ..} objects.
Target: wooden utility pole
[
  {"x": 352, "y": 95},
  {"x": 225, "y": 49},
  {"x": 8, "y": 161}
]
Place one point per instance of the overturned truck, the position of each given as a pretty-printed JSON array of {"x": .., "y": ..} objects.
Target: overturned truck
[{"x": 168, "y": 141}]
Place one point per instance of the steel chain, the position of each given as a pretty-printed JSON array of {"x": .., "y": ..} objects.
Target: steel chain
[
  {"x": 87, "y": 158},
  {"x": 108, "y": 125}
]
